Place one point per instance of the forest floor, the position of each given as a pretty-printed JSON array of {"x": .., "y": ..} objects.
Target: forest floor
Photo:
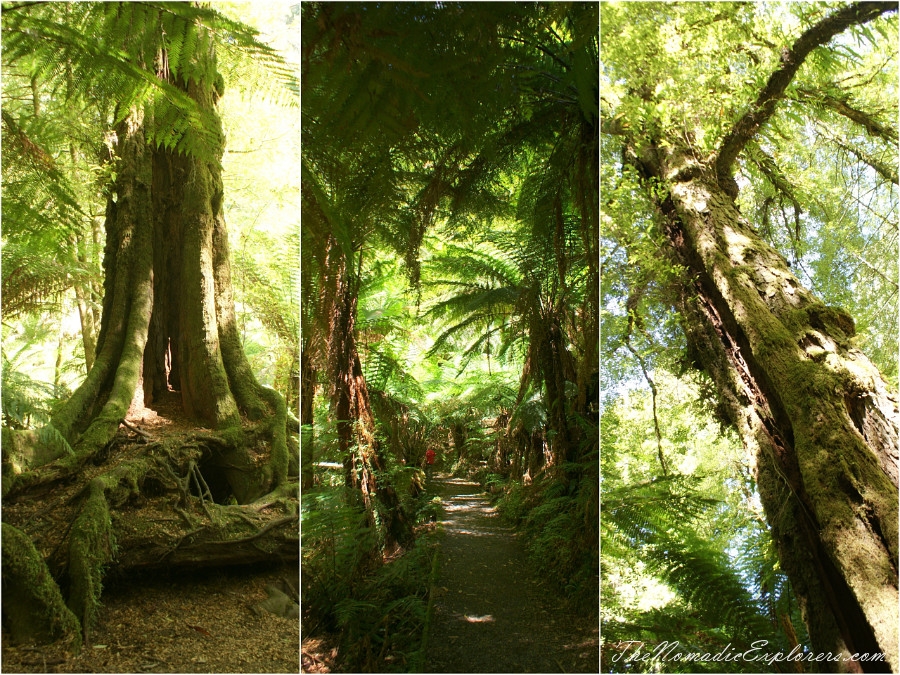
[
  {"x": 168, "y": 622},
  {"x": 491, "y": 615},
  {"x": 184, "y": 623}
]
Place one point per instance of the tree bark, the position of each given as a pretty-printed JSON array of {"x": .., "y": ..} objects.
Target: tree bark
[
  {"x": 33, "y": 607},
  {"x": 350, "y": 402},
  {"x": 814, "y": 412},
  {"x": 85, "y": 311},
  {"x": 818, "y": 418},
  {"x": 168, "y": 312},
  {"x": 168, "y": 324},
  {"x": 308, "y": 376}
]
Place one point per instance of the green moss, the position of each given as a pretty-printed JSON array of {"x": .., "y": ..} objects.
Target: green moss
[
  {"x": 816, "y": 353},
  {"x": 91, "y": 547},
  {"x": 278, "y": 453},
  {"x": 796, "y": 321},
  {"x": 33, "y": 606},
  {"x": 833, "y": 320},
  {"x": 67, "y": 418},
  {"x": 96, "y": 436},
  {"x": 124, "y": 481}
]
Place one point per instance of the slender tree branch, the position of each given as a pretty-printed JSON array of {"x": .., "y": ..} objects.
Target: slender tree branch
[
  {"x": 841, "y": 107},
  {"x": 634, "y": 319},
  {"x": 779, "y": 181},
  {"x": 791, "y": 60},
  {"x": 537, "y": 45},
  {"x": 140, "y": 432},
  {"x": 889, "y": 173},
  {"x": 9, "y": 7},
  {"x": 874, "y": 269},
  {"x": 659, "y": 448}
]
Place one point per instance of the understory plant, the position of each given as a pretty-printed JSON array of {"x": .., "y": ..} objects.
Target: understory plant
[{"x": 376, "y": 607}]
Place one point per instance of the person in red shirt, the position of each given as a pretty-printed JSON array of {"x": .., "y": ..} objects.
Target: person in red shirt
[{"x": 429, "y": 463}]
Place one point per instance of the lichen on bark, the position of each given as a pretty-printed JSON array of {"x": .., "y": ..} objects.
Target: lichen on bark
[{"x": 833, "y": 505}]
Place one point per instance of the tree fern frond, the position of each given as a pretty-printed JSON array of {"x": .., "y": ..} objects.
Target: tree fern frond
[
  {"x": 655, "y": 519},
  {"x": 116, "y": 51}
]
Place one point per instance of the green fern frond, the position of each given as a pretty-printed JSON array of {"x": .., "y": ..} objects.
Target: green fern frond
[
  {"x": 655, "y": 518},
  {"x": 26, "y": 402},
  {"x": 117, "y": 52}
]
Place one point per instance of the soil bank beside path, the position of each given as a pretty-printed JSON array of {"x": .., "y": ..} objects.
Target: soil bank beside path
[{"x": 491, "y": 615}]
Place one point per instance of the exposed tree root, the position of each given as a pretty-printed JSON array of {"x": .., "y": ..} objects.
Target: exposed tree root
[
  {"x": 33, "y": 606},
  {"x": 186, "y": 500}
]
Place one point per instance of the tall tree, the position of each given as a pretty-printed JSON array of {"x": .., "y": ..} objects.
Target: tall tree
[
  {"x": 697, "y": 93},
  {"x": 168, "y": 321},
  {"x": 168, "y": 318}
]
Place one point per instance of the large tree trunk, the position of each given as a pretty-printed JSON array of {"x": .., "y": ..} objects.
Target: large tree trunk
[
  {"x": 168, "y": 313},
  {"x": 168, "y": 324},
  {"x": 817, "y": 416}
]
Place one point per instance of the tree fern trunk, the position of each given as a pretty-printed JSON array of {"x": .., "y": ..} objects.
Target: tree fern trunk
[{"x": 351, "y": 406}]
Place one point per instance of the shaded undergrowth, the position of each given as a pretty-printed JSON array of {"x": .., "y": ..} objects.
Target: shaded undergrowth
[
  {"x": 376, "y": 608},
  {"x": 558, "y": 518}
]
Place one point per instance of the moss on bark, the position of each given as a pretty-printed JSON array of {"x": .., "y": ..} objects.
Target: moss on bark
[
  {"x": 91, "y": 546},
  {"x": 784, "y": 364},
  {"x": 168, "y": 315},
  {"x": 33, "y": 607}
]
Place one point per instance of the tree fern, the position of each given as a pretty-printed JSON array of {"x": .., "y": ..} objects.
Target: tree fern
[
  {"x": 118, "y": 52},
  {"x": 658, "y": 520},
  {"x": 37, "y": 195}
]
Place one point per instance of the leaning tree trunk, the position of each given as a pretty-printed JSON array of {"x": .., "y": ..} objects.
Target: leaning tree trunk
[
  {"x": 351, "y": 407},
  {"x": 817, "y": 416},
  {"x": 168, "y": 325}
]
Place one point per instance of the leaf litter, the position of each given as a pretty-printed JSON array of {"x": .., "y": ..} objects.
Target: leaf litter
[{"x": 198, "y": 622}]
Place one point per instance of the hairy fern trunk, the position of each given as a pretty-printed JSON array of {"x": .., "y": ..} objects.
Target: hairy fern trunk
[
  {"x": 811, "y": 409},
  {"x": 352, "y": 407}
]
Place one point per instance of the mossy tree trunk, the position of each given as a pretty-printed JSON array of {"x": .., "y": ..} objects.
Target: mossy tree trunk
[
  {"x": 168, "y": 319},
  {"x": 817, "y": 416},
  {"x": 168, "y": 325},
  {"x": 811, "y": 409}
]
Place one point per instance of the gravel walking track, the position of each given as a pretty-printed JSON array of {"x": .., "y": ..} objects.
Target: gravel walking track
[{"x": 491, "y": 615}]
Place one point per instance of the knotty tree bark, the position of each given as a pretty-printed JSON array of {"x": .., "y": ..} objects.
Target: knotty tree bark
[
  {"x": 168, "y": 325},
  {"x": 814, "y": 412}
]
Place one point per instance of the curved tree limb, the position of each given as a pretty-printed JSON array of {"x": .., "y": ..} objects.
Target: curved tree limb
[
  {"x": 653, "y": 394},
  {"x": 791, "y": 59},
  {"x": 615, "y": 126},
  {"x": 872, "y": 126}
]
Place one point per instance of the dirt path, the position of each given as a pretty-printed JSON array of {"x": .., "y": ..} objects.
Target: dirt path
[{"x": 490, "y": 614}]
